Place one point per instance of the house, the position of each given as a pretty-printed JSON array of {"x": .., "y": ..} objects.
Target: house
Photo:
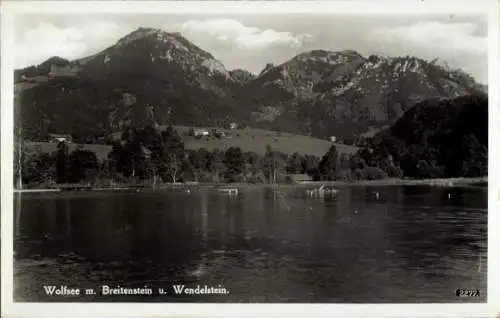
[
  {"x": 218, "y": 133},
  {"x": 200, "y": 132},
  {"x": 60, "y": 138},
  {"x": 300, "y": 178},
  {"x": 332, "y": 138}
]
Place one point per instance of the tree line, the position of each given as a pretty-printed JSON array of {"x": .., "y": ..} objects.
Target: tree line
[{"x": 150, "y": 156}]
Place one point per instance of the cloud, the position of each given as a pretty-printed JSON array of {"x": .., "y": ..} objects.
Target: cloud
[
  {"x": 38, "y": 43},
  {"x": 234, "y": 33},
  {"x": 436, "y": 36},
  {"x": 456, "y": 43}
]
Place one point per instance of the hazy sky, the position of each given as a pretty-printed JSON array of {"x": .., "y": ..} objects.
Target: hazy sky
[{"x": 251, "y": 41}]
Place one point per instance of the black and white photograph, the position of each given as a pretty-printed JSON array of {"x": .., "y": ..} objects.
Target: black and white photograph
[{"x": 245, "y": 157}]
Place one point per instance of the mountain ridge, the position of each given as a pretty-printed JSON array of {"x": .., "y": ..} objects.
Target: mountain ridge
[{"x": 173, "y": 81}]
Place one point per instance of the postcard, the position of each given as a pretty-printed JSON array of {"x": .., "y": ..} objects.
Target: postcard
[{"x": 262, "y": 158}]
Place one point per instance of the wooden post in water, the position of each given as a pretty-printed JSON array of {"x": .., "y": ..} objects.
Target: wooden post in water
[
  {"x": 274, "y": 169},
  {"x": 204, "y": 217},
  {"x": 133, "y": 168}
]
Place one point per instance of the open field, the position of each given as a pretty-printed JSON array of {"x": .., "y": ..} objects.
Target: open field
[
  {"x": 248, "y": 139},
  {"x": 256, "y": 140}
]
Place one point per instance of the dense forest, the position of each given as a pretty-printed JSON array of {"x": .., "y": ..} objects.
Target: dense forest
[{"x": 439, "y": 138}]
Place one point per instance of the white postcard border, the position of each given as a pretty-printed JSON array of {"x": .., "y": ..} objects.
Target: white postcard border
[{"x": 11, "y": 8}]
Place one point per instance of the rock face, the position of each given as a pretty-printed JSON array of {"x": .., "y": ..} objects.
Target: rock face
[
  {"x": 241, "y": 76},
  {"x": 343, "y": 93},
  {"x": 155, "y": 77}
]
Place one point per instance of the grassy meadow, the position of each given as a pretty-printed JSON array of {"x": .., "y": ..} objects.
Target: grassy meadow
[
  {"x": 248, "y": 139},
  {"x": 256, "y": 140}
]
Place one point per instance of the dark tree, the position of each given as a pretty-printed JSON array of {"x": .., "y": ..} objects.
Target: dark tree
[
  {"x": 216, "y": 164},
  {"x": 175, "y": 164},
  {"x": 310, "y": 164},
  {"x": 198, "y": 160},
  {"x": 273, "y": 164},
  {"x": 327, "y": 169},
  {"x": 36, "y": 168},
  {"x": 344, "y": 162},
  {"x": 357, "y": 162},
  {"x": 118, "y": 162},
  {"x": 62, "y": 163},
  {"x": 172, "y": 139},
  {"x": 235, "y": 162},
  {"x": 294, "y": 164},
  {"x": 83, "y": 165},
  {"x": 474, "y": 157}
]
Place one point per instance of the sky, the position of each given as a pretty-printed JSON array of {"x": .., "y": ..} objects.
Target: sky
[{"x": 251, "y": 41}]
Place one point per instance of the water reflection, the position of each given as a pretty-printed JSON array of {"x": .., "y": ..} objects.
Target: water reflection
[{"x": 265, "y": 245}]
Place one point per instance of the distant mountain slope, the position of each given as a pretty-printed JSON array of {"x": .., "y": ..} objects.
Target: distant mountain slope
[
  {"x": 40, "y": 70},
  {"x": 152, "y": 76},
  {"x": 342, "y": 93}
]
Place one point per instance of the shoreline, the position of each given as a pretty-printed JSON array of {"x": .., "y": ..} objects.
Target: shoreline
[{"x": 450, "y": 182}]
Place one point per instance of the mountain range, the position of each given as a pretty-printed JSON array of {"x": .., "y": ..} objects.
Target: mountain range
[{"x": 155, "y": 77}]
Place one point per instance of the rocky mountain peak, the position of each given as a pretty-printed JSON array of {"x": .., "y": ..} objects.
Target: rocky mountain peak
[
  {"x": 135, "y": 35},
  {"x": 171, "y": 47},
  {"x": 267, "y": 68},
  {"x": 301, "y": 74},
  {"x": 329, "y": 57},
  {"x": 161, "y": 39}
]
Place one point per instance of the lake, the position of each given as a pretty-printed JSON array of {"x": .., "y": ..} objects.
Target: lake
[{"x": 411, "y": 244}]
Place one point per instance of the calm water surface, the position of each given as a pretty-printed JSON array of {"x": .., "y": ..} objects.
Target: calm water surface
[{"x": 413, "y": 244}]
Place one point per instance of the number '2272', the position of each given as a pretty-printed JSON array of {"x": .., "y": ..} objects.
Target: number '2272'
[{"x": 463, "y": 292}]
